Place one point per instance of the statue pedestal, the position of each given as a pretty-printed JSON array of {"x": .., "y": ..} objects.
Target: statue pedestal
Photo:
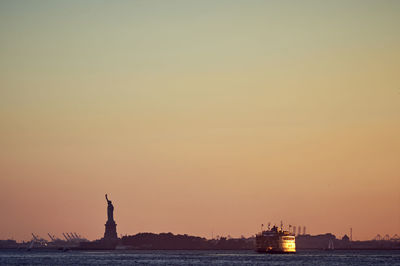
[{"x": 111, "y": 231}]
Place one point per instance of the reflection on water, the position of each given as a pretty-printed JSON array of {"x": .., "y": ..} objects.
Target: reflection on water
[{"x": 15, "y": 257}]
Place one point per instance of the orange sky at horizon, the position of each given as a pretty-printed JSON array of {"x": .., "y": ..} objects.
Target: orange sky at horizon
[{"x": 199, "y": 118}]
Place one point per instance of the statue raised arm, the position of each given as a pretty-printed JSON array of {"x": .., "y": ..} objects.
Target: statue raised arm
[{"x": 107, "y": 199}]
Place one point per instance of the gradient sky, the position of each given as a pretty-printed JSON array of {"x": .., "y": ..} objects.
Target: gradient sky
[{"x": 199, "y": 117}]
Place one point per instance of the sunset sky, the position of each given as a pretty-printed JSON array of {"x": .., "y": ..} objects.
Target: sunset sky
[{"x": 199, "y": 117}]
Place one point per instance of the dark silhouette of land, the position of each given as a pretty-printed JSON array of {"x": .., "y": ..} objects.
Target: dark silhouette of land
[{"x": 169, "y": 241}]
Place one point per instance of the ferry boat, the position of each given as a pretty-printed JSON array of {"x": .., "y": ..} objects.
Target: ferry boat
[{"x": 275, "y": 240}]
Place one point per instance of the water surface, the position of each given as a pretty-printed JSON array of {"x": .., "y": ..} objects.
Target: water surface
[{"x": 18, "y": 257}]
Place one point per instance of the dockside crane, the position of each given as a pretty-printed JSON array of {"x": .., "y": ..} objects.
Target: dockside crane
[
  {"x": 39, "y": 240},
  {"x": 73, "y": 236},
  {"x": 65, "y": 237},
  {"x": 35, "y": 237},
  {"x": 69, "y": 237},
  {"x": 51, "y": 237}
]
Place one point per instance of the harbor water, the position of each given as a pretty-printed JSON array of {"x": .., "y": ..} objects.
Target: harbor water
[{"x": 210, "y": 257}]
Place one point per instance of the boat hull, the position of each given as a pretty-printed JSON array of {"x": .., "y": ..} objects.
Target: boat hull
[{"x": 264, "y": 251}]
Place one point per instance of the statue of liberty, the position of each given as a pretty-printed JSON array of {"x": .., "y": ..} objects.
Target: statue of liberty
[
  {"x": 110, "y": 210},
  {"x": 110, "y": 234}
]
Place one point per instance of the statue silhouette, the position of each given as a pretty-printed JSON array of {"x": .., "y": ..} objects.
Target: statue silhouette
[
  {"x": 110, "y": 210},
  {"x": 110, "y": 234}
]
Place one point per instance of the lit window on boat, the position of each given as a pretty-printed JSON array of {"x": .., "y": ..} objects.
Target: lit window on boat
[{"x": 288, "y": 238}]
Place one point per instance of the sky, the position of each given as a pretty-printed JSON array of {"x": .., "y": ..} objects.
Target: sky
[{"x": 199, "y": 117}]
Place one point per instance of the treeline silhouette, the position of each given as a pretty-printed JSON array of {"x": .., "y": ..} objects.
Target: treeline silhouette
[{"x": 185, "y": 242}]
